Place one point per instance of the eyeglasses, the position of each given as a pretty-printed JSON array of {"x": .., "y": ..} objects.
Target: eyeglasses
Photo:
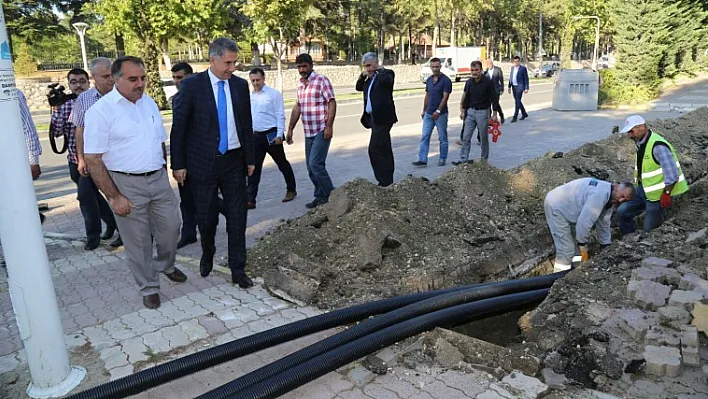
[{"x": 78, "y": 82}]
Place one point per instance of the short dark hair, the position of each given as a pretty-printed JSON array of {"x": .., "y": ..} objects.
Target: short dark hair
[
  {"x": 516, "y": 57},
  {"x": 303, "y": 58},
  {"x": 476, "y": 63},
  {"x": 118, "y": 64},
  {"x": 182, "y": 66},
  {"x": 257, "y": 70},
  {"x": 434, "y": 59},
  {"x": 77, "y": 71}
]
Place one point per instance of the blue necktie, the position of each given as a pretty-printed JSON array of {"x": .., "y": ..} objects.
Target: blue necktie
[{"x": 223, "y": 123}]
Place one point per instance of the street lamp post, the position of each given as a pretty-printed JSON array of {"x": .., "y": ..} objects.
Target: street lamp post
[
  {"x": 81, "y": 30},
  {"x": 597, "y": 37}
]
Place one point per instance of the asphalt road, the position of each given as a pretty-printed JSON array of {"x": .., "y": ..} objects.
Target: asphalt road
[{"x": 55, "y": 179}]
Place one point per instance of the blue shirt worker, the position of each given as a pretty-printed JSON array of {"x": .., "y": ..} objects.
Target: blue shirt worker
[
  {"x": 585, "y": 202},
  {"x": 437, "y": 91},
  {"x": 658, "y": 176}
]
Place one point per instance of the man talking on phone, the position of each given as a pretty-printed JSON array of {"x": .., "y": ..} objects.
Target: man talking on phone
[{"x": 268, "y": 112}]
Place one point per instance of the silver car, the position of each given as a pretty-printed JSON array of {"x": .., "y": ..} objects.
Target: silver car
[{"x": 546, "y": 70}]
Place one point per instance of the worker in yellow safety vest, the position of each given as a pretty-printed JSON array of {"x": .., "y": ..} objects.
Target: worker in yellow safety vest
[{"x": 658, "y": 176}]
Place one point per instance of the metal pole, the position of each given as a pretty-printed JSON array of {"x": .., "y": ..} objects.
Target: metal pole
[
  {"x": 597, "y": 44},
  {"x": 29, "y": 278},
  {"x": 81, "y": 30},
  {"x": 540, "y": 36}
]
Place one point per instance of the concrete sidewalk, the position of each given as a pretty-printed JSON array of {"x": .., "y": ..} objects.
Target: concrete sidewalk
[{"x": 111, "y": 334}]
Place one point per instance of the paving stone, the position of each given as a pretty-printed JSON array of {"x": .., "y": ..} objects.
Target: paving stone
[
  {"x": 155, "y": 318},
  {"x": 75, "y": 339},
  {"x": 377, "y": 391},
  {"x": 113, "y": 357},
  {"x": 259, "y": 325},
  {"x": 464, "y": 382},
  {"x": 118, "y": 331},
  {"x": 245, "y": 315},
  {"x": 172, "y": 312},
  {"x": 662, "y": 361},
  {"x": 175, "y": 336},
  {"x": 275, "y": 303},
  {"x": 636, "y": 322},
  {"x": 654, "y": 261},
  {"x": 237, "y": 293},
  {"x": 392, "y": 382},
  {"x": 193, "y": 329},
  {"x": 156, "y": 342},
  {"x": 8, "y": 363},
  {"x": 205, "y": 301},
  {"x": 648, "y": 294},
  {"x": 213, "y": 325},
  {"x": 261, "y": 308},
  {"x": 693, "y": 282},
  {"x": 496, "y": 391},
  {"x": 530, "y": 387},
  {"x": 699, "y": 235},
  {"x": 135, "y": 349},
  {"x": 120, "y": 372},
  {"x": 684, "y": 299},
  {"x": 689, "y": 337},
  {"x": 276, "y": 320},
  {"x": 674, "y": 313},
  {"x": 657, "y": 274},
  {"x": 292, "y": 314},
  {"x": 700, "y": 316},
  {"x": 98, "y": 337},
  {"x": 553, "y": 380},
  {"x": 659, "y": 336},
  {"x": 86, "y": 320},
  {"x": 360, "y": 376},
  {"x": 241, "y": 332},
  {"x": 439, "y": 390}
]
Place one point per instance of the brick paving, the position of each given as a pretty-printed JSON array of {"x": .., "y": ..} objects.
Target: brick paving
[{"x": 100, "y": 306}]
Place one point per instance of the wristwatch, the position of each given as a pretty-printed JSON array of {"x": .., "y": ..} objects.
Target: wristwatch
[
  {"x": 437, "y": 111},
  {"x": 667, "y": 191}
]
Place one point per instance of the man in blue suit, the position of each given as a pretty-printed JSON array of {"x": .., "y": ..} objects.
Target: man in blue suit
[
  {"x": 212, "y": 146},
  {"x": 519, "y": 83}
]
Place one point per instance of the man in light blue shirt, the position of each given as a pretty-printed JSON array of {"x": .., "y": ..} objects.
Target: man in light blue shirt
[{"x": 268, "y": 113}]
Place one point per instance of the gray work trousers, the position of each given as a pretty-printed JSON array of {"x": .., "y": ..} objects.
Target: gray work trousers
[
  {"x": 476, "y": 118},
  {"x": 156, "y": 214},
  {"x": 562, "y": 235}
]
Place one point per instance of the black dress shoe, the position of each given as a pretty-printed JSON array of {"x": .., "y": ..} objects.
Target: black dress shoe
[
  {"x": 524, "y": 117},
  {"x": 184, "y": 241},
  {"x": 177, "y": 276},
  {"x": 501, "y": 119},
  {"x": 316, "y": 202},
  {"x": 513, "y": 120},
  {"x": 92, "y": 243},
  {"x": 242, "y": 280},
  {"x": 152, "y": 301},
  {"x": 118, "y": 242},
  {"x": 108, "y": 234},
  {"x": 206, "y": 264}
]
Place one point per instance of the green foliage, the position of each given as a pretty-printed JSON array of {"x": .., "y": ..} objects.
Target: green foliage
[
  {"x": 30, "y": 20},
  {"x": 24, "y": 64}
]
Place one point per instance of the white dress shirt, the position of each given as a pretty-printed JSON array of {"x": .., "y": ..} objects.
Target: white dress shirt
[
  {"x": 268, "y": 110},
  {"x": 129, "y": 135},
  {"x": 233, "y": 135},
  {"x": 514, "y": 72},
  {"x": 490, "y": 72}
]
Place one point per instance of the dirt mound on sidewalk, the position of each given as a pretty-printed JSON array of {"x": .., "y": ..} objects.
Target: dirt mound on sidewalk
[{"x": 475, "y": 223}]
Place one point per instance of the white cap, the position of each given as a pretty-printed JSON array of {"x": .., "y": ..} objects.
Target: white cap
[{"x": 631, "y": 122}]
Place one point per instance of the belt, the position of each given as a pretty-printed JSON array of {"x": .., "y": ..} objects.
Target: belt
[
  {"x": 229, "y": 152},
  {"x": 480, "y": 108},
  {"x": 143, "y": 174},
  {"x": 271, "y": 130}
]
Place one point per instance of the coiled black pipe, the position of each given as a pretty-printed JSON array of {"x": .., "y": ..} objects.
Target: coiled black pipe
[
  {"x": 174, "y": 369},
  {"x": 345, "y": 354},
  {"x": 369, "y": 326}
]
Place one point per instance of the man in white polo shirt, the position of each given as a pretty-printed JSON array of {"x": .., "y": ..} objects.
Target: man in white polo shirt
[{"x": 124, "y": 147}]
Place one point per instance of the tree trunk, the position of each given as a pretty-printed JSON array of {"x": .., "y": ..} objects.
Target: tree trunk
[
  {"x": 402, "y": 50},
  {"x": 436, "y": 29},
  {"x": 165, "y": 48},
  {"x": 255, "y": 54},
  {"x": 151, "y": 57},
  {"x": 380, "y": 50},
  {"x": 120, "y": 44},
  {"x": 410, "y": 43},
  {"x": 452, "y": 29},
  {"x": 566, "y": 45}
]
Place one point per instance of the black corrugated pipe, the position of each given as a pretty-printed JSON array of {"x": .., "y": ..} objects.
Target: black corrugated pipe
[
  {"x": 174, "y": 369},
  {"x": 369, "y": 326},
  {"x": 345, "y": 354}
]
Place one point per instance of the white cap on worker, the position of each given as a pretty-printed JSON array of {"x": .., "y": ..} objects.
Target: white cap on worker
[{"x": 631, "y": 122}]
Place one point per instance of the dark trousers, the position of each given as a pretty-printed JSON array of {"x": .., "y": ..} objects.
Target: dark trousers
[
  {"x": 189, "y": 211},
  {"x": 229, "y": 176},
  {"x": 261, "y": 147},
  {"x": 518, "y": 105},
  {"x": 93, "y": 205},
  {"x": 381, "y": 153}
]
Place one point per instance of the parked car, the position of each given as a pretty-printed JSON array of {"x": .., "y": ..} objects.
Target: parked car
[
  {"x": 605, "y": 62},
  {"x": 168, "y": 85},
  {"x": 547, "y": 70}
]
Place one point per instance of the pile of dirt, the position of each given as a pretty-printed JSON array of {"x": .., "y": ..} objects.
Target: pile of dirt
[{"x": 475, "y": 223}]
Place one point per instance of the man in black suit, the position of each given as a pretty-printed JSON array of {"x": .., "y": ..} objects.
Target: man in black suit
[
  {"x": 379, "y": 115},
  {"x": 497, "y": 76},
  {"x": 212, "y": 140}
]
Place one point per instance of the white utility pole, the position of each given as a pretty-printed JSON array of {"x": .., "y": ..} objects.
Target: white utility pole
[
  {"x": 597, "y": 37},
  {"x": 28, "y": 273},
  {"x": 81, "y": 30}
]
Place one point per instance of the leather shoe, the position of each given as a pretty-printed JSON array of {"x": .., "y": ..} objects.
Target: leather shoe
[
  {"x": 184, "y": 241},
  {"x": 177, "y": 276},
  {"x": 206, "y": 264},
  {"x": 250, "y": 205},
  {"x": 92, "y": 243},
  {"x": 242, "y": 280},
  {"x": 289, "y": 196},
  {"x": 108, "y": 234},
  {"x": 118, "y": 242},
  {"x": 152, "y": 301}
]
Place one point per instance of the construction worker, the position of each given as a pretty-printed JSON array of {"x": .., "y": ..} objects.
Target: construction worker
[
  {"x": 658, "y": 176},
  {"x": 586, "y": 202}
]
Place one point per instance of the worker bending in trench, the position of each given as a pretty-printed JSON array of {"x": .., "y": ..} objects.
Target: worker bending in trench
[{"x": 586, "y": 202}]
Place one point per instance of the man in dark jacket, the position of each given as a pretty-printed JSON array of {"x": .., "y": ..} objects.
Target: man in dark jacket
[{"x": 379, "y": 115}]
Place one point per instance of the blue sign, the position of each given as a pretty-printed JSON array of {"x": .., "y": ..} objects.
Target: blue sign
[{"x": 5, "y": 51}]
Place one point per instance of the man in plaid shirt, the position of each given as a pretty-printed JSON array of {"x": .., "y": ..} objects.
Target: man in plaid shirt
[
  {"x": 94, "y": 206},
  {"x": 317, "y": 107}
]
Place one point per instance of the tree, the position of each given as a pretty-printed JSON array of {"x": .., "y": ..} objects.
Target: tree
[
  {"x": 29, "y": 21},
  {"x": 275, "y": 22}
]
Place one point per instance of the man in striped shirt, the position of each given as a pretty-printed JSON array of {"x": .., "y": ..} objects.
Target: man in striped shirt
[
  {"x": 94, "y": 206},
  {"x": 34, "y": 149}
]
